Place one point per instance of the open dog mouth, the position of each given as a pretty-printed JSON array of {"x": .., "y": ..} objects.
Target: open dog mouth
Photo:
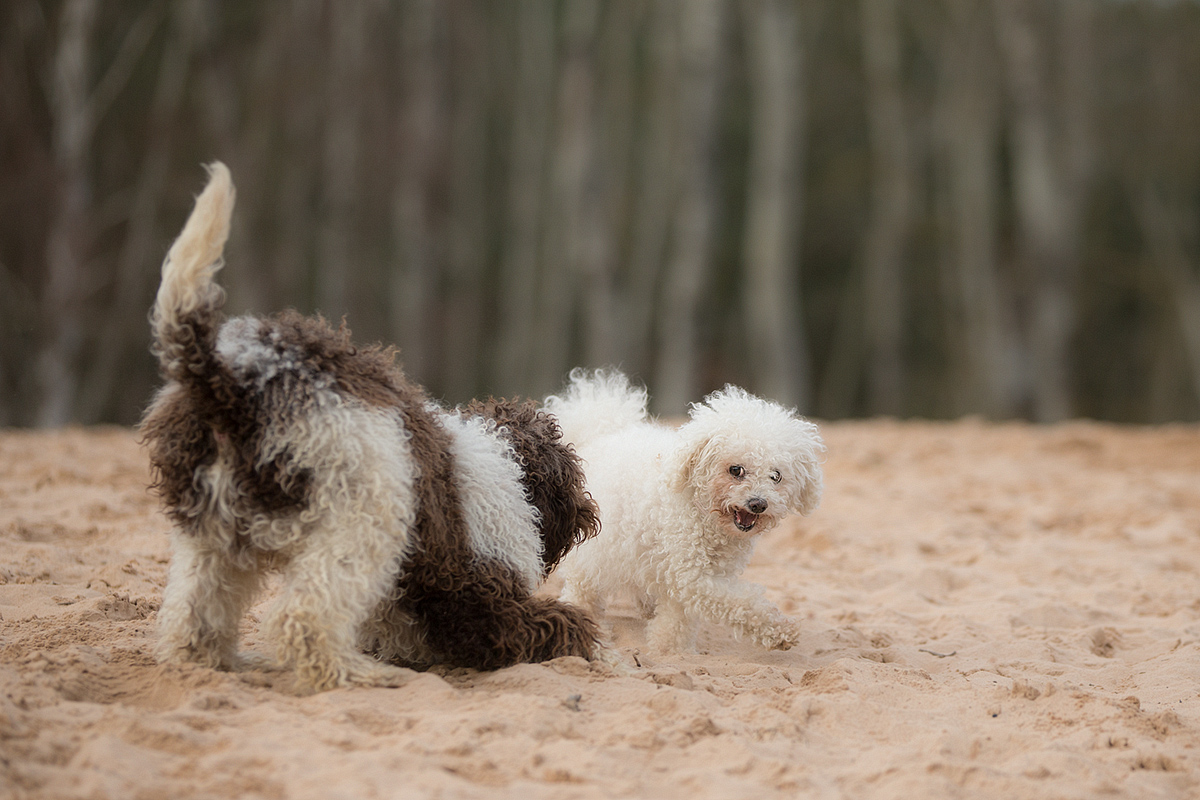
[{"x": 744, "y": 520}]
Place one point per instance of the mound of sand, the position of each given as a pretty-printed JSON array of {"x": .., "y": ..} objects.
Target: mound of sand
[{"x": 990, "y": 611}]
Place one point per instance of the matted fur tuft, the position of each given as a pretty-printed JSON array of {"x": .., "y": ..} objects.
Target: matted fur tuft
[{"x": 401, "y": 529}]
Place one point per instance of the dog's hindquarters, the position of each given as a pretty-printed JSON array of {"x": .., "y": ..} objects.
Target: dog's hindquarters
[
  {"x": 350, "y": 541},
  {"x": 619, "y": 562}
]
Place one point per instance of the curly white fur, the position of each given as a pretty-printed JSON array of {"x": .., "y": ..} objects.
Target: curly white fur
[
  {"x": 681, "y": 508},
  {"x": 501, "y": 524}
]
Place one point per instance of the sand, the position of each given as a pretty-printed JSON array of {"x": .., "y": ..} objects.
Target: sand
[{"x": 989, "y": 611}]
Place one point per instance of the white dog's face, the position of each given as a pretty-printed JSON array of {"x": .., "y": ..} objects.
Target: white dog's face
[
  {"x": 749, "y": 492},
  {"x": 749, "y": 462},
  {"x": 746, "y": 496}
]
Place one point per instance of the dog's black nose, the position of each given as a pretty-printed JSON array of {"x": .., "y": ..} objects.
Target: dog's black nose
[{"x": 756, "y": 505}]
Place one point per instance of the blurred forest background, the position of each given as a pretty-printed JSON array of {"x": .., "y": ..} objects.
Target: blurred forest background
[{"x": 908, "y": 207}]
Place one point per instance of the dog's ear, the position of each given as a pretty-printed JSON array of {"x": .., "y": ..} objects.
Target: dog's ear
[
  {"x": 808, "y": 493},
  {"x": 804, "y": 471},
  {"x": 690, "y": 461}
]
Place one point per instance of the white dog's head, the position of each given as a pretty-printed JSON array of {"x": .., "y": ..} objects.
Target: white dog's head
[{"x": 748, "y": 462}]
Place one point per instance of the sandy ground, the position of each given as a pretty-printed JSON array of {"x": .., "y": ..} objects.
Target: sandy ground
[{"x": 990, "y": 611}]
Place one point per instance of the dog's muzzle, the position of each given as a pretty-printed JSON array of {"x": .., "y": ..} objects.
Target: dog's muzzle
[{"x": 744, "y": 519}]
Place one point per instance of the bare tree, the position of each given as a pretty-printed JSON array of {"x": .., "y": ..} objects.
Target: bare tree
[
  {"x": 292, "y": 90},
  {"x": 890, "y": 209},
  {"x": 677, "y": 367},
  {"x": 414, "y": 223},
  {"x": 654, "y": 191},
  {"x": 604, "y": 295},
  {"x": 1160, "y": 171},
  {"x": 1051, "y": 157},
  {"x": 979, "y": 316},
  {"x": 521, "y": 259},
  {"x": 777, "y": 347},
  {"x": 67, "y": 281},
  {"x": 244, "y": 114},
  {"x": 467, "y": 244},
  {"x": 134, "y": 281},
  {"x": 1165, "y": 237},
  {"x": 349, "y": 24},
  {"x": 573, "y": 247},
  {"x": 507, "y": 189}
]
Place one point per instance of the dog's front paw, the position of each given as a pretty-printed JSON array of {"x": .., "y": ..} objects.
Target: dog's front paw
[
  {"x": 368, "y": 672},
  {"x": 782, "y": 635},
  {"x": 338, "y": 671},
  {"x": 248, "y": 660},
  {"x": 606, "y": 659}
]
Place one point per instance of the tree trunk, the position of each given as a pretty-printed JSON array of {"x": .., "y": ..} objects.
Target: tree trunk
[
  {"x": 135, "y": 274},
  {"x": 462, "y": 312},
  {"x": 654, "y": 191},
  {"x": 980, "y": 329},
  {"x": 413, "y": 283},
  {"x": 603, "y": 295},
  {"x": 1049, "y": 162},
  {"x": 889, "y": 211},
  {"x": 522, "y": 259},
  {"x": 348, "y": 25},
  {"x": 677, "y": 370},
  {"x": 1167, "y": 250},
  {"x": 574, "y": 246},
  {"x": 297, "y": 30},
  {"x": 66, "y": 270},
  {"x": 778, "y": 348}
]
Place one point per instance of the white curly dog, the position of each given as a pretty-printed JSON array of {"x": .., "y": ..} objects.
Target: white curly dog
[{"x": 681, "y": 508}]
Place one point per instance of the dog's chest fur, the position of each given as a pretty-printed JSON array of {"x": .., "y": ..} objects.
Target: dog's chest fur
[{"x": 724, "y": 556}]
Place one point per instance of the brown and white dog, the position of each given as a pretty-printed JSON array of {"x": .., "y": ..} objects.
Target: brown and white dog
[{"x": 407, "y": 535}]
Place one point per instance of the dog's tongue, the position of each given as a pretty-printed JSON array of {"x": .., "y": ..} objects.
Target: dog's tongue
[{"x": 744, "y": 519}]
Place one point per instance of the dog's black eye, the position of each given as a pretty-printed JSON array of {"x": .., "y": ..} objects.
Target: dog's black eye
[
  {"x": 737, "y": 471},
  {"x": 775, "y": 476}
]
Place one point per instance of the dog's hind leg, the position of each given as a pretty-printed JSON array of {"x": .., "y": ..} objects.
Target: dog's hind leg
[
  {"x": 203, "y": 603},
  {"x": 579, "y": 590},
  {"x": 330, "y": 591},
  {"x": 493, "y": 623},
  {"x": 547, "y": 629},
  {"x": 670, "y": 629},
  {"x": 646, "y": 604}
]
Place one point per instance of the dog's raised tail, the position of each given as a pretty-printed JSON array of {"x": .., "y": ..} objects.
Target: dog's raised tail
[
  {"x": 185, "y": 312},
  {"x": 596, "y": 403}
]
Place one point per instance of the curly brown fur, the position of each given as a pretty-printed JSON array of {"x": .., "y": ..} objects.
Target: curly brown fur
[
  {"x": 553, "y": 474},
  {"x": 471, "y": 612},
  {"x": 487, "y": 620}
]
